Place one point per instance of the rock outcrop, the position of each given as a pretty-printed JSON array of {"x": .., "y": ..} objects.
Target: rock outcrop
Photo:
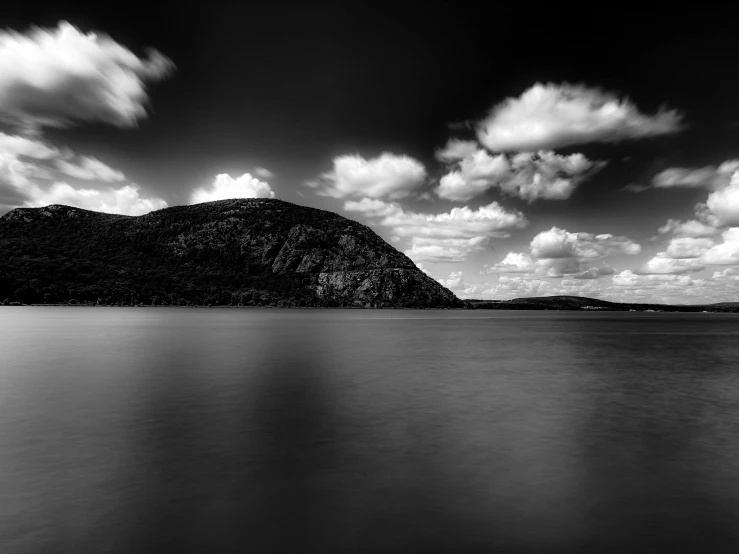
[{"x": 230, "y": 252}]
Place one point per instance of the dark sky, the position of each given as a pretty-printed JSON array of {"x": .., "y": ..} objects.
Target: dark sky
[{"x": 292, "y": 85}]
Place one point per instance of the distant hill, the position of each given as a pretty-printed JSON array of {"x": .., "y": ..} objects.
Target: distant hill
[
  {"x": 230, "y": 252},
  {"x": 583, "y": 303}
]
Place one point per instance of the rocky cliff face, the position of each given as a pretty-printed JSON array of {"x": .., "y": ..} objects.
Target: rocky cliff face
[{"x": 231, "y": 252}]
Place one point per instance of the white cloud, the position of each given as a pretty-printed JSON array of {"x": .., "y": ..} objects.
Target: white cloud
[
  {"x": 31, "y": 165},
  {"x": 520, "y": 286},
  {"x": 626, "y": 278},
  {"x": 16, "y": 168},
  {"x": 558, "y": 243},
  {"x": 456, "y": 150},
  {"x": 90, "y": 169},
  {"x": 16, "y": 145},
  {"x": 448, "y": 236},
  {"x": 629, "y": 279},
  {"x": 263, "y": 172},
  {"x": 225, "y": 187},
  {"x": 663, "y": 264},
  {"x": 691, "y": 254},
  {"x": 727, "y": 274},
  {"x": 423, "y": 268},
  {"x": 455, "y": 282},
  {"x": 691, "y": 228},
  {"x": 124, "y": 200},
  {"x": 56, "y": 77},
  {"x": 387, "y": 176},
  {"x": 688, "y": 247},
  {"x": 721, "y": 208},
  {"x": 558, "y": 253},
  {"x": 726, "y": 252},
  {"x": 625, "y": 286},
  {"x": 514, "y": 262},
  {"x": 527, "y": 175},
  {"x": 577, "y": 268},
  {"x": 723, "y": 204},
  {"x": 443, "y": 250},
  {"x": 594, "y": 273},
  {"x": 708, "y": 177},
  {"x": 554, "y": 116},
  {"x": 18, "y": 173},
  {"x": 478, "y": 171}
]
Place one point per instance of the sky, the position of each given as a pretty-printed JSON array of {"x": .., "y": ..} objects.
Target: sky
[{"x": 508, "y": 150}]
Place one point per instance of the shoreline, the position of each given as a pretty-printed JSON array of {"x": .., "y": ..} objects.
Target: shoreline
[{"x": 669, "y": 309}]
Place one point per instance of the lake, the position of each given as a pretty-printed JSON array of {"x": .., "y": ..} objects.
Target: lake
[{"x": 129, "y": 430}]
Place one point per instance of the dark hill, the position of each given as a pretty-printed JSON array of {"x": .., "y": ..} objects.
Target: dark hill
[
  {"x": 584, "y": 303},
  {"x": 230, "y": 252}
]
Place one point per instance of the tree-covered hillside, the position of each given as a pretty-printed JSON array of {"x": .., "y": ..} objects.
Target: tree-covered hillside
[{"x": 230, "y": 252}]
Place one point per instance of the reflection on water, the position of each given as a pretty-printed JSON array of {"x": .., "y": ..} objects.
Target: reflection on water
[{"x": 187, "y": 430}]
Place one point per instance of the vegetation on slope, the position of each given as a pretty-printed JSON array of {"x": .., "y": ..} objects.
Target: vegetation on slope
[{"x": 230, "y": 252}]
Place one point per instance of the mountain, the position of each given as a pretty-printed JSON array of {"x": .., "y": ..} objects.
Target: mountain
[
  {"x": 229, "y": 252},
  {"x": 584, "y": 303}
]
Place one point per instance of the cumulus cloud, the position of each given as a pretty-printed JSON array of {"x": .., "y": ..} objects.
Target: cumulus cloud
[
  {"x": 90, "y": 169},
  {"x": 626, "y": 278},
  {"x": 721, "y": 208},
  {"x": 387, "y": 176},
  {"x": 514, "y": 262},
  {"x": 558, "y": 253},
  {"x": 628, "y": 286},
  {"x": 688, "y": 247},
  {"x": 727, "y": 274},
  {"x": 478, "y": 171},
  {"x": 723, "y": 204},
  {"x": 557, "y": 115},
  {"x": 558, "y": 243},
  {"x": 691, "y": 254},
  {"x": 448, "y": 236},
  {"x": 124, "y": 200},
  {"x": 691, "y": 228},
  {"x": 625, "y": 286},
  {"x": 526, "y": 175},
  {"x": 663, "y": 264},
  {"x": 726, "y": 252},
  {"x": 57, "y": 77},
  {"x": 225, "y": 187},
  {"x": 518, "y": 286},
  {"x": 629, "y": 280},
  {"x": 455, "y": 282}
]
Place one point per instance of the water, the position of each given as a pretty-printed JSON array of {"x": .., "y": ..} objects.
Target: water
[{"x": 245, "y": 430}]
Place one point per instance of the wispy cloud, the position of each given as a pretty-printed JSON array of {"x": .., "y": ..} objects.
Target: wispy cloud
[{"x": 61, "y": 76}]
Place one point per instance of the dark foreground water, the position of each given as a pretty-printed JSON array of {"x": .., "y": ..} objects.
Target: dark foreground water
[{"x": 216, "y": 430}]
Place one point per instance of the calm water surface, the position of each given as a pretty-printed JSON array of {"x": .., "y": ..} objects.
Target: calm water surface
[{"x": 216, "y": 430}]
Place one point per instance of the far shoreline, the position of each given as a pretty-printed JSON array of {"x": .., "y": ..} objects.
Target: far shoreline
[{"x": 694, "y": 309}]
